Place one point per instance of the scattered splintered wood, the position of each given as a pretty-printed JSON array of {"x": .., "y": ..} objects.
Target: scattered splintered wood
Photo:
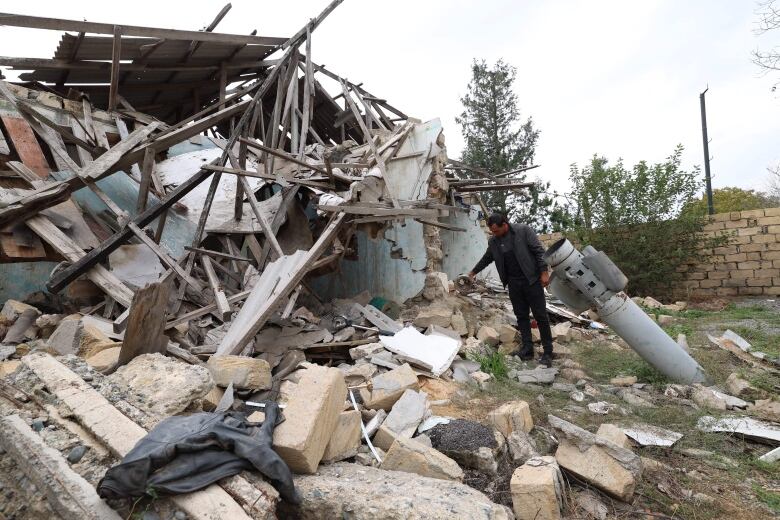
[{"x": 145, "y": 332}]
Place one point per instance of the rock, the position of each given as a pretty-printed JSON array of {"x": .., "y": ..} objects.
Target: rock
[
  {"x": 589, "y": 502},
  {"x": 366, "y": 350},
  {"x": 560, "y": 331},
  {"x": 488, "y": 335},
  {"x": 652, "y": 303},
  {"x": 433, "y": 315},
  {"x": 612, "y": 468},
  {"x": 614, "y": 434},
  {"x": 161, "y": 385},
  {"x": 766, "y": 409},
  {"x": 8, "y": 367},
  {"x": 407, "y": 413},
  {"x": 345, "y": 439},
  {"x": 564, "y": 387},
  {"x": 507, "y": 349},
  {"x": 66, "y": 338},
  {"x": 538, "y": 375},
  {"x": 635, "y": 400},
  {"x": 12, "y": 309},
  {"x": 245, "y": 373},
  {"x": 742, "y": 388},
  {"x": 92, "y": 340},
  {"x": 105, "y": 359},
  {"x": 470, "y": 444},
  {"x": 443, "y": 331},
  {"x": 601, "y": 407},
  {"x": 458, "y": 323},
  {"x": 413, "y": 457},
  {"x": 623, "y": 381},
  {"x": 665, "y": 319},
  {"x": 212, "y": 399},
  {"x": 512, "y": 416},
  {"x": 574, "y": 374},
  {"x": 255, "y": 417},
  {"x": 481, "y": 378},
  {"x": 507, "y": 334},
  {"x": 387, "y": 388},
  {"x": 375, "y": 422},
  {"x": 357, "y": 492},
  {"x": 310, "y": 417},
  {"x": 384, "y": 437},
  {"x": 708, "y": 398},
  {"x": 344, "y": 334},
  {"x": 577, "y": 396},
  {"x": 537, "y": 490},
  {"x": 47, "y": 323},
  {"x": 682, "y": 340},
  {"x": 701, "y": 498},
  {"x": 521, "y": 446},
  {"x": 77, "y": 453}
]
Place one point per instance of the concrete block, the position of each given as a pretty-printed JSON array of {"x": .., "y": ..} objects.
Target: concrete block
[
  {"x": 244, "y": 372},
  {"x": 345, "y": 439},
  {"x": 537, "y": 490},
  {"x": 387, "y": 388},
  {"x": 515, "y": 415},
  {"x": 412, "y": 456},
  {"x": 433, "y": 315},
  {"x": 310, "y": 418}
]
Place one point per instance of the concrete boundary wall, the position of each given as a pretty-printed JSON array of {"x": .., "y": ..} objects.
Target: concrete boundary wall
[{"x": 748, "y": 266}]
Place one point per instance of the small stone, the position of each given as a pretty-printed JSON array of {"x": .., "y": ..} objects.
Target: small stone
[
  {"x": 244, "y": 372},
  {"x": 488, "y": 335},
  {"x": 614, "y": 434},
  {"x": 577, "y": 396},
  {"x": 652, "y": 303},
  {"x": 387, "y": 388},
  {"x": 506, "y": 334},
  {"x": 256, "y": 417},
  {"x": 665, "y": 319},
  {"x": 77, "y": 453},
  {"x": 574, "y": 374},
  {"x": 623, "y": 380},
  {"x": 433, "y": 315},
  {"x": 512, "y": 416},
  {"x": 38, "y": 425},
  {"x": 560, "y": 331},
  {"x": 538, "y": 375},
  {"x": 537, "y": 490},
  {"x": 413, "y": 457},
  {"x": 345, "y": 439},
  {"x": 105, "y": 359},
  {"x": 481, "y": 378},
  {"x": 741, "y": 388},
  {"x": 367, "y": 350},
  {"x": 521, "y": 446}
]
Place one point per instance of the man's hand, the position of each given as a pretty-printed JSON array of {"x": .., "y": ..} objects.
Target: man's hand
[
  {"x": 472, "y": 275},
  {"x": 545, "y": 278}
]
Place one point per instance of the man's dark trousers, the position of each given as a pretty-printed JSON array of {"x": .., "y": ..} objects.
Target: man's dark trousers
[{"x": 523, "y": 298}]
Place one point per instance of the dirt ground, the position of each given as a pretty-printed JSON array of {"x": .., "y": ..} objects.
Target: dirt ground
[{"x": 704, "y": 475}]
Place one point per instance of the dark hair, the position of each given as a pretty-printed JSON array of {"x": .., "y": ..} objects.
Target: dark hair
[{"x": 497, "y": 219}]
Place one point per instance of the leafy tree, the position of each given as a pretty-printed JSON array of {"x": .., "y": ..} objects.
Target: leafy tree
[
  {"x": 732, "y": 199},
  {"x": 636, "y": 216},
  {"x": 768, "y": 20},
  {"x": 498, "y": 141}
]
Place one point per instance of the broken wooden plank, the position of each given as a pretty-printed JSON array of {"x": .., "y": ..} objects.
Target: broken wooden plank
[
  {"x": 106, "y": 161},
  {"x": 145, "y": 323},
  {"x": 197, "y": 313},
  {"x": 223, "y": 307},
  {"x": 217, "y": 254},
  {"x": 26, "y": 145},
  {"x": 120, "y": 434}
]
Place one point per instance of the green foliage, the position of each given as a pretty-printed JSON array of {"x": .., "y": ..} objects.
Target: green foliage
[
  {"x": 636, "y": 217},
  {"x": 769, "y": 498},
  {"x": 605, "y": 363},
  {"x": 493, "y": 363},
  {"x": 729, "y": 199},
  {"x": 498, "y": 141}
]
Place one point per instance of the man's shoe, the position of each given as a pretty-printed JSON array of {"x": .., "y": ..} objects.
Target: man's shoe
[
  {"x": 546, "y": 360},
  {"x": 526, "y": 354}
]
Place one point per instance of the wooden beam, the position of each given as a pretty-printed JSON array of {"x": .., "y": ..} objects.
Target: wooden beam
[
  {"x": 145, "y": 332},
  {"x": 223, "y": 307},
  {"x": 87, "y": 65},
  {"x": 197, "y": 313},
  {"x": 37, "y": 22},
  {"x": 116, "y": 53},
  {"x": 146, "y": 180},
  {"x": 283, "y": 155},
  {"x": 217, "y": 254}
]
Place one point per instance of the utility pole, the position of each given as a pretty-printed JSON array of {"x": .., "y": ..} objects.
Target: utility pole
[{"x": 705, "y": 139}]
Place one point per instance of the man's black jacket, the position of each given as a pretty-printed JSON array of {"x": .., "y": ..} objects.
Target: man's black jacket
[{"x": 528, "y": 250}]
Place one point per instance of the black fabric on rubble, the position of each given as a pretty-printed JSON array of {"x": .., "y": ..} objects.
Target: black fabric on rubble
[{"x": 187, "y": 453}]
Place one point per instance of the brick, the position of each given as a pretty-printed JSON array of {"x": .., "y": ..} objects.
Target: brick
[
  {"x": 773, "y": 246},
  {"x": 726, "y": 291},
  {"x": 691, "y": 284},
  {"x": 759, "y": 282},
  {"x": 734, "y": 282},
  {"x": 749, "y": 231},
  {"x": 772, "y": 212},
  {"x": 717, "y": 275},
  {"x": 764, "y": 238},
  {"x": 709, "y": 284},
  {"x": 752, "y": 248},
  {"x": 740, "y": 239},
  {"x": 719, "y": 217},
  {"x": 741, "y": 274},
  {"x": 696, "y": 276},
  {"x": 515, "y": 415},
  {"x": 770, "y": 255},
  {"x": 735, "y": 215},
  {"x": 751, "y": 291},
  {"x": 774, "y": 290},
  {"x": 536, "y": 490},
  {"x": 753, "y": 256},
  {"x": 738, "y": 257},
  {"x": 776, "y": 263},
  {"x": 773, "y": 229},
  {"x": 310, "y": 417},
  {"x": 714, "y": 226},
  {"x": 244, "y": 372},
  {"x": 753, "y": 213},
  {"x": 769, "y": 221},
  {"x": 736, "y": 224},
  {"x": 726, "y": 266},
  {"x": 753, "y": 264},
  {"x": 726, "y": 250},
  {"x": 766, "y": 273}
]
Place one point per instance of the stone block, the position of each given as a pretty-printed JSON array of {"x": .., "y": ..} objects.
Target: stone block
[
  {"x": 367, "y": 350},
  {"x": 8, "y": 367},
  {"x": 384, "y": 437},
  {"x": 434, "y": 315},
  {"x": 244, "y": 372},
  {"x": 407, "y": 413},
  {"x": 560, "y": 331},
  {"x": 212, "y": 399},
  {"x": 612, "y": 468},
  {"x": 623, "y": 381},
  {"x": 387, "y": 388},
  {"x": 459, "y": 325},
  {"x": 488, "y": 335},
  {"x": 507, "y": 334},
  {"x": 537, "y": 490},
  {"x": 515, "y": 415},
  {"x": 311, "y": 415},
  {"x": 412, "y": 456},
  {"x": 105, "y": 359},
  {"x": 665, "y": 319},
  {"x": 614, "y": 434},
  {"x": 345, "y": 439},
  {"x": 12, "y": 309},
  {"x": 521, "y": 446},
  {"x": 66, "y": 337}
]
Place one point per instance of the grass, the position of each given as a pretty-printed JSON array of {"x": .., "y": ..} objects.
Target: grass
[
  {"x": 493, "y": 363},
  {"x": 760, "y": 339},
  {"x": 604, "y": 363},
  {"x": 770, "y": 498}
]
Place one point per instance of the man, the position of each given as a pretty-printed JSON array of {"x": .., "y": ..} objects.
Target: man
[{"x": 517, "y": 252}]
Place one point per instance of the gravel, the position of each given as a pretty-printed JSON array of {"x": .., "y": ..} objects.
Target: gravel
[{"x": 460, "y": 434}]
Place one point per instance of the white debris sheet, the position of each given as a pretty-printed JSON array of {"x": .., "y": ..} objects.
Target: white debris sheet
[
  {"x": 648, "y": 435},
  {"x": 751, "y": 428},
  {"x": 434, "y": 352},
  {"x": 136, "y": 264}
]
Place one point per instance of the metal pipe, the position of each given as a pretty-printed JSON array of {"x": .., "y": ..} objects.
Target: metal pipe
[{"x": 576, "y": 283}]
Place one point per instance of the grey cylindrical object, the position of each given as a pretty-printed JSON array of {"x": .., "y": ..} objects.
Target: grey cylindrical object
[{"x": 624, "y": 316}]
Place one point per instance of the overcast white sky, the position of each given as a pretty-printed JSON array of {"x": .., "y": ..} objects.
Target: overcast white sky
[{"x": 612, "y": 77}]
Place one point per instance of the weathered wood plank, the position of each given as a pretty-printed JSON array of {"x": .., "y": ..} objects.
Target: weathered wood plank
[
  {"x": 145, "y": 332},
  {"x": 223, "y": 307}
]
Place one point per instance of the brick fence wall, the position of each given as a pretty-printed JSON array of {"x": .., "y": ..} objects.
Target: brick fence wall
[{"x": 749, "y": 265}]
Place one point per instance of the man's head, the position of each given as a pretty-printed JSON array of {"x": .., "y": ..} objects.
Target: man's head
[{"x": 497, "y": 224}]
